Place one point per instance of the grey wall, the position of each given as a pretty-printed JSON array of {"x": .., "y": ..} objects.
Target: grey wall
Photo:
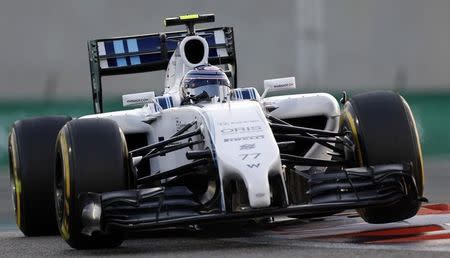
[
  {"x": 348, "y": 44},
  {"x": 386, "y": 42},
  {"x": 43, "y": 43}
]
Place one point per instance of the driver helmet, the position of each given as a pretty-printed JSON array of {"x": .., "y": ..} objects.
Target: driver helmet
[{"x": 204, "y": 83}]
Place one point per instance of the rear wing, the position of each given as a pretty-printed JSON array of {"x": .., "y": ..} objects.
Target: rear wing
[{"x": 152, "y": 52}]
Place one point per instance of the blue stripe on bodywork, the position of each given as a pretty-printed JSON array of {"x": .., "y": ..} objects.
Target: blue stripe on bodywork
[
  {"x": 166, "y": 102},
  {"x": 246, "y": 94},
  {"x": 252, "y": 93},
  {"x": 111, "y": 62},
  {"x": 240, "y": 94},
  {"x": 149, "y": 44},
  {"x": 119, "y": 49},
  {"x": 109, "y": 48},
  {"x": 236, "y": 94},
  {"x": 133, "y": 47},
  {"x": 162, "y": 102}
]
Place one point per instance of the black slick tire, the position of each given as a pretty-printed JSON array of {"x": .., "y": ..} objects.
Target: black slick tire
[
  {"x": 384, "y": 132},
  {"x": 31, "y": 158},
  {"x": 92, "y": 156}
]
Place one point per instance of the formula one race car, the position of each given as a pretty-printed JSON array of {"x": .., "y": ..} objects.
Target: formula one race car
[{"x": 207, "y": 151}]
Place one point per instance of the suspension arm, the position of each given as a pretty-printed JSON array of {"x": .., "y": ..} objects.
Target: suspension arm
[
  {"x": 298, "y": 129},
  {"x": 302, "y": 161},
  {"x": 166, "y": 142}
]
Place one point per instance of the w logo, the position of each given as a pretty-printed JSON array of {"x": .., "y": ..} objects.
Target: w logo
[{"x": 253, "y": 165}]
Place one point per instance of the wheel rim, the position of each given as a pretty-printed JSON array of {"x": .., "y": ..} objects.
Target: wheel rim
[
  {"x": 59, "y": 194},
  {"x": 13, "y": 192}
]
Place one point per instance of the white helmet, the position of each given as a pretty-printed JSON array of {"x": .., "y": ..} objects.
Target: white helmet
[{"x": 205, "y": 82}]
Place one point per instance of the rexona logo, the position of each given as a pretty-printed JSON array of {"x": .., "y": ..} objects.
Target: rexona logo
[
  {"x": 243, "y": 129},
  {"x": 286, "y": 85},
  {"x": 138, "y": 100}
]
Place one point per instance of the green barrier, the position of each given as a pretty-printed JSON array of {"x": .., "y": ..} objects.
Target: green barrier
[
  {"x": 432, "y": 115},
  {"x": 13, "y": 111},
  {"x": 431, "y": 111}
]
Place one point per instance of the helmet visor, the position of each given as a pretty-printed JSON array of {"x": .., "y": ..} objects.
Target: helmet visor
[
  {"x": 201, "y": 82},
  {"x": 212, "y": 91}
]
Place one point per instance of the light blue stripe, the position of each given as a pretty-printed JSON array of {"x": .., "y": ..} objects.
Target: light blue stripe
[
  {"x": 133, "y": 47},
  {"x": 252, "y": 93},
  {"x": 135, "y": 60},
  {"x": 167, "y": 102},
  {"x": 119, "y": 49}
]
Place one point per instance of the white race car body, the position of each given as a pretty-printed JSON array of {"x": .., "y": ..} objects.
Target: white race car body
[
  {"x": 237, "y": 131},
  {"x": 210, "y": 152}
]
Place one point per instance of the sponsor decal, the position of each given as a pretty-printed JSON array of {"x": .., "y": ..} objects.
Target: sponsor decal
[
  {"x": 243, "y": 129},
  {"x": 179, "y": 124},
  {"x": 244, "y": 138},
  {"x": 137, "y": 100},
  {"x": 247, "y": 146},
  {"x": 290, "y": 85},
  {"x": 250, "y": 155},
  {"x": 253, "y": 165},
  {"x": 225, "y": 123}
]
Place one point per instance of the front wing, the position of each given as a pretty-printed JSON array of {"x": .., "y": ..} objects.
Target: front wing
[{"x": 159, "y": 207}]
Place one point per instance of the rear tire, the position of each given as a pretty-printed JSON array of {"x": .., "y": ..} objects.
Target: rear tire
[
  {"x": 92, "y": 156},
  {"x": 384, "y": 132},
  {"x": 31, "y": 161}
]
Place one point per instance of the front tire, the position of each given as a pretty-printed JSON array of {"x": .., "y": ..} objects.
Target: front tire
[
  {"x": 31, "y": 161},
  {"x": 92, "y": 156},
  {"x": 384, "y": 132}
]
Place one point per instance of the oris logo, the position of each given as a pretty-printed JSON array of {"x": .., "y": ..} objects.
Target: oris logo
[{"x": 243, "y": 129}]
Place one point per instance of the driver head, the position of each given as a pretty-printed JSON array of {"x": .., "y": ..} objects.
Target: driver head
[{"x": 204, "y": 83}]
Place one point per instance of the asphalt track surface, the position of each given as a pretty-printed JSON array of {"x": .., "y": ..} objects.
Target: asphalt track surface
[{"x": 337, "y": 236}]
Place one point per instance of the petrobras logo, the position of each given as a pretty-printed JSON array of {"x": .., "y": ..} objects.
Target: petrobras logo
[{"x": 244, "y": 138}]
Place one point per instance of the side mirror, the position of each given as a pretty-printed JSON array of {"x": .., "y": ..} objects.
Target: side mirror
[
  {"x": 278, "y": 84},
  {"x": 138, "y": 99}
]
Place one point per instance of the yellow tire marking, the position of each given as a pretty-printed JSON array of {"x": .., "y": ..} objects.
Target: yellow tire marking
[
  {"x": 17, "y": 182},
  {"x": 419, "y": 145},
  {"x": 66, "y": 176},
  {"x": 352, "y": 123}
]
